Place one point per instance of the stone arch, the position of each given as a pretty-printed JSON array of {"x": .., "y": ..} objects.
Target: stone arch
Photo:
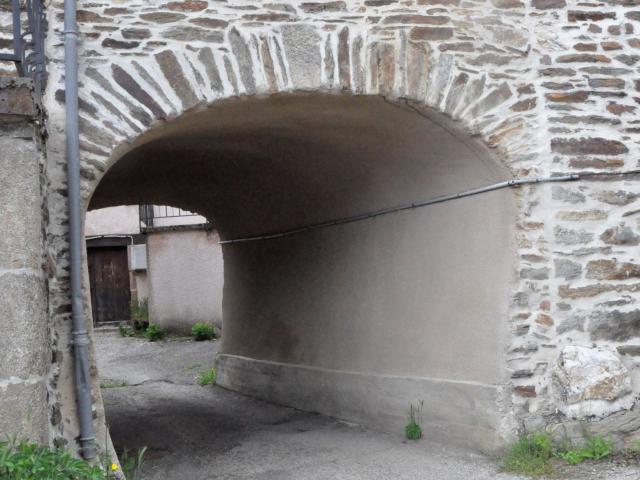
[
  {"x": 124, "y": 100},
  {"x": 362, "y": 306}
]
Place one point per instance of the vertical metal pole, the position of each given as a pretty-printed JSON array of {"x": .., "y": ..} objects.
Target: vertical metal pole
[{"x": 80, "y": 337}]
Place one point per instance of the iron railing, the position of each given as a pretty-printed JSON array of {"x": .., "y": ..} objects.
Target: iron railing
[
  {"x": 28, "y": 44},
  {"x": 149, "y": 214}
]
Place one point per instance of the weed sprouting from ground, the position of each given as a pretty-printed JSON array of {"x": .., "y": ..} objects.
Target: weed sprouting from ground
[
  {"x": 413, "y": 429},
  {"x": 207, "y": 377},
  {"x": 153, "y": 333},
  {"x": 132, "y": 464},
  {"x": 202, "y": 331},
  {"x": 530, "y": 455}
]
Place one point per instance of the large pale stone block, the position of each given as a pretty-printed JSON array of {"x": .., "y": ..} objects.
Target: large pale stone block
[
  {"x": 302, "y": 48},
  {"x": 20, "y": 220},
  {"x": 23, "y": 323},
  {"x": 23, "y": 411},
  {"x": 591, "y": 381}
]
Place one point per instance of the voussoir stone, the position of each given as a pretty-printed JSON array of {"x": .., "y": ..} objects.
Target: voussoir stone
[
  {"x": 172, "y": 70},
  {"x": 243, "y": 54},
  {"x": 302, "y": 48}
]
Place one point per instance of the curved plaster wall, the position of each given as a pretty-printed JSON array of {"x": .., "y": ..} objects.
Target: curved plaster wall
[{"x": 357, "y": 320}]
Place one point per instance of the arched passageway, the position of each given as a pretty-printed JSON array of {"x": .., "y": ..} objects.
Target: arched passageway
[{"x": 356, "y": 320}]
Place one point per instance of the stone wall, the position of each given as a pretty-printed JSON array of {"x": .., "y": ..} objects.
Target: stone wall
[
  {"x": 550, "y": 84},
  {"x": 24, "y": 342}
]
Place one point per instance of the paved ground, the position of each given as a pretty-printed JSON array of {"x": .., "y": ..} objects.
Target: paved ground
[{"x": 200, "y": 433}]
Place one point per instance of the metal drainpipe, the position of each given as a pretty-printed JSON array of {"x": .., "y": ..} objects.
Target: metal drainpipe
[{"x": 80, "y": 339}]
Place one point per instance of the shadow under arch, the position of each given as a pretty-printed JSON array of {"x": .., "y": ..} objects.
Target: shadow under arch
[{"x": 358, "y": 320}]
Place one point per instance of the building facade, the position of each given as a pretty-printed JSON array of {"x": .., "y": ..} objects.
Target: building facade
[
  {"x": 509, "y": 311},
  {"x": 162, "y": 258}
]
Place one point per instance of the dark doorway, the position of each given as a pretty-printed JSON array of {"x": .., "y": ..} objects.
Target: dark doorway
[{"x": 109, "y": 280}]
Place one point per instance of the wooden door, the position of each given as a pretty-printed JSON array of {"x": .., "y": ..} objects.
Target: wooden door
[{"x": 109, "y": 280}]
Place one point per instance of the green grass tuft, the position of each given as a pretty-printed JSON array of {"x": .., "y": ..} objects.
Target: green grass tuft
[
  {"x": 153, "y": 333},
  {"x": 207, "y": 377},
  {"x": 202, "y": 331},
  {"x": 530, "y": 455},
  {"x": 413, "y": 429}
]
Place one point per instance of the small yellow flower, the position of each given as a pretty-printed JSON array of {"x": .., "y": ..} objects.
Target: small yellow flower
[{"x": 114, "y": 467}]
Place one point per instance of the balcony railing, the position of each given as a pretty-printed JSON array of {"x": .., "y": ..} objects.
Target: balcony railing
[
  {"x": 159, "y": 216},
  {"x": 28, "y": 30}
]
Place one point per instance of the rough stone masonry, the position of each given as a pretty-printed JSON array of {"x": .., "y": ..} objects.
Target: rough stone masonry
[{"x": 552, "y": 86}]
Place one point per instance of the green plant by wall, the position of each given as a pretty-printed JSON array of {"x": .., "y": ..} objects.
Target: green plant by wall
[
  {"x": 153, "y": 333},
  {"x": 202, "y": 331},
  {"x": 140, "y": 314},
  {"x": 208, "y": 377},
  {"x": 530, "y": 455},
  {"x": 595, "y": 448},
  {"x": 29, "y": 461},
  {"x": 413, "y": 429}
]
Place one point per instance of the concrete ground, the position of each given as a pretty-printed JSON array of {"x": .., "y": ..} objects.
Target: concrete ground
[{"x": 199, "y": 433}]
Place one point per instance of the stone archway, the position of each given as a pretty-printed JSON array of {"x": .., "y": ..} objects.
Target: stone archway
[
  {"x": 127, "y": 99},
  {"x": 359, "y": 320},
  {"x": 548, "y": 83}
]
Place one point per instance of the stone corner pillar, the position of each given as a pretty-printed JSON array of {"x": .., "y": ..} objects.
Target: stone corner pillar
[{"x": 24, "y": 338}]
